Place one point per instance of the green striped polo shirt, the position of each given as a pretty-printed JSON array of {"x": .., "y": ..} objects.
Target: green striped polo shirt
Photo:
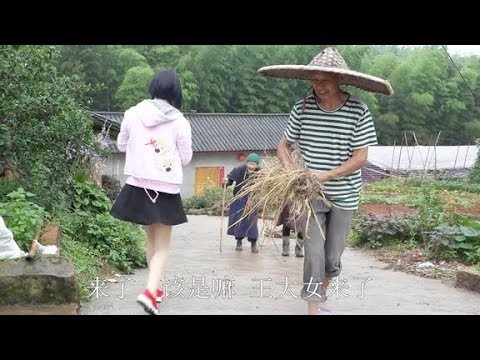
[{"x": 328, "y": 139}]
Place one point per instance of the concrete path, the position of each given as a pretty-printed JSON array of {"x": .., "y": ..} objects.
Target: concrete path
[{"x": 201, "y": 280}]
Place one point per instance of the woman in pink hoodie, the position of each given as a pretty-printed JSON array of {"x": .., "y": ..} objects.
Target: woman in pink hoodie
[{"x": 158, "y": 143}]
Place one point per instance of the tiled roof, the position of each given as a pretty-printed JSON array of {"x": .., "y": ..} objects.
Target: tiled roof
[
  {"x": 371, "y": 173},
  {"x": 217, "y": 132},
  {"x": 213, "y": 132},
  {"x": 236, "y": 132},
  {"x": 114, "y": 118}
]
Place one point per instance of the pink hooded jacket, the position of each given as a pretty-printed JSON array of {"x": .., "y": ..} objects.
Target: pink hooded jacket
[{"x": 157, "y": 140}]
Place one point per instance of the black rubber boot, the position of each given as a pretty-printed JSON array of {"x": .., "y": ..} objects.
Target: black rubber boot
[
  {"x": 254, "y": 246},
  {"x": 298, "y": 251},
  {"x": 299, "y": 245},
  {"x": 239, "y": 245},
  {"x": 286, "y": 246}
]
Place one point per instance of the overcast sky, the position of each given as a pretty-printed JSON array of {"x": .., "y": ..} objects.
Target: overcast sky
[{"x": 462, "y": 50}]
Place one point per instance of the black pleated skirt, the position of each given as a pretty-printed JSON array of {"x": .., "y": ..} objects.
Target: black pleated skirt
[{"x": 134, "y": 205}]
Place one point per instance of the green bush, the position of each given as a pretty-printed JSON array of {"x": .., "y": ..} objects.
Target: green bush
[
  {"x": 431, "y": 211},
  {"x": 45, "y": 134},
  {"x": 87, "y": 261},
  {"x": 6, "y": 187},
  {"x": 215, "y": 196},
  {"x": 120, "y": 243},
  {"x": 195, "y": 202},
  {"x": 88, "y": 196},
  {"x": 461, "y": 242},
  {"x": 373, "y": 230},
  {"x": 22, "y": 216},
  {"x": 211, "y": 199}
]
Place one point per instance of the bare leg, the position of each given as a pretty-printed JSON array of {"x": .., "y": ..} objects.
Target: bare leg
[
  {"x": 150, "y": 241},
  {"x": 313, "y": 307},
  {"x": 321, "y": 305},
  {"x": 326, "y": 283},
  {"x": 160, "y": 244}
]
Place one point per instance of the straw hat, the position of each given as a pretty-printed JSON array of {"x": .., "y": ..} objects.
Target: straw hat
[{"x": 329, "y": 60}]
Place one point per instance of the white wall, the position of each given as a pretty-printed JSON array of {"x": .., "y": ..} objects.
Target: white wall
[
  {"x": 377, "y": 155},
  {"x": 114, "y": 167},
  {"x": 415, "y": 157}
]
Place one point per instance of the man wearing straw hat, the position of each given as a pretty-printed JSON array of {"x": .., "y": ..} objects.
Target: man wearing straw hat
[{"x": 333, "y": 131}]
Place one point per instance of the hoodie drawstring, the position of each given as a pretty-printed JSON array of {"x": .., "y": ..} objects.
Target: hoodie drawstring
[{"x": 152, "y": 199}]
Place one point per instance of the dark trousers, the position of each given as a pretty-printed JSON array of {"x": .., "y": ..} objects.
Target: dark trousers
[
  {"x": 249, "y": 239},
  {"x": 286, "y": 232}
]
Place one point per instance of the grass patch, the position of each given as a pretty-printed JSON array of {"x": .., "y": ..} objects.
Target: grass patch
[
  {"x": 411, "y": 192},
  {"x": 210, "y": 201},
  {"x": 98, "y": 245},
  {"x": 87, "y": 264},
  {"x": 353, "y": 239}
]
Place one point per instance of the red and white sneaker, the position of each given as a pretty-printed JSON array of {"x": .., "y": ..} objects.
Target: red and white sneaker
[
  {"x": 148, "y": 301},
  {"x": 160, "y": 295}
]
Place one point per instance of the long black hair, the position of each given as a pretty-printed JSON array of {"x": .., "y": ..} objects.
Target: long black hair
[{"x": 166, "y": 85}]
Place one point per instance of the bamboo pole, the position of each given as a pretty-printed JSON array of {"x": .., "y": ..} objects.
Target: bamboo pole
[
  {"x": 410, "y": 158},
  {"x": 456, "y": 157},
  {"x": 425, "y": 165},
  {"x": 399, "y": 157},
  {"x": 427, "y": 161},
  {"x": 393, "y": 153},
  {"x": 223, "y": 212},
  {"x": 435, "y": 154},
  {"x": 416, "y": 142},
  {"x": 466, "y": 154}
]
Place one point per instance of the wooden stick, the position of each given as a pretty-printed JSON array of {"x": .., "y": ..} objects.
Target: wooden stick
[
  {"x": 409, "y": 158},
  {"x": 399, "y": 157},
  {"x": 435, "y": 149},
  {"x": 456, "y": 157},
  {"x": 427, "y": 163},
  {"x": 466, "y": 154},
  {"x": 34, "y": 247},
  {"x": 416, "y": 142},
  {"x": 393, "y": 152},
  {"x": 223, "y": 212}
]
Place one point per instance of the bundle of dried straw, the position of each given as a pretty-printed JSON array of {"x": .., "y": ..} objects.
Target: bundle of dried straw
[{"x": 274, "y": 187}]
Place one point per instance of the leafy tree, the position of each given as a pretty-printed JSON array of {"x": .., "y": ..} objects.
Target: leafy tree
[
  {"x": 134, "y": 86},
  {"x": 431, "y": 95},
  {"x": 46, "y": 133}
]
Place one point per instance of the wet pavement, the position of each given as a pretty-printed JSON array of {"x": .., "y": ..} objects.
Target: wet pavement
[{"x": 201, "y": 280}]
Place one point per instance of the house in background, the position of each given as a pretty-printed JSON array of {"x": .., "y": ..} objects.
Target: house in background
[{"x": 220, "y": 143}]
